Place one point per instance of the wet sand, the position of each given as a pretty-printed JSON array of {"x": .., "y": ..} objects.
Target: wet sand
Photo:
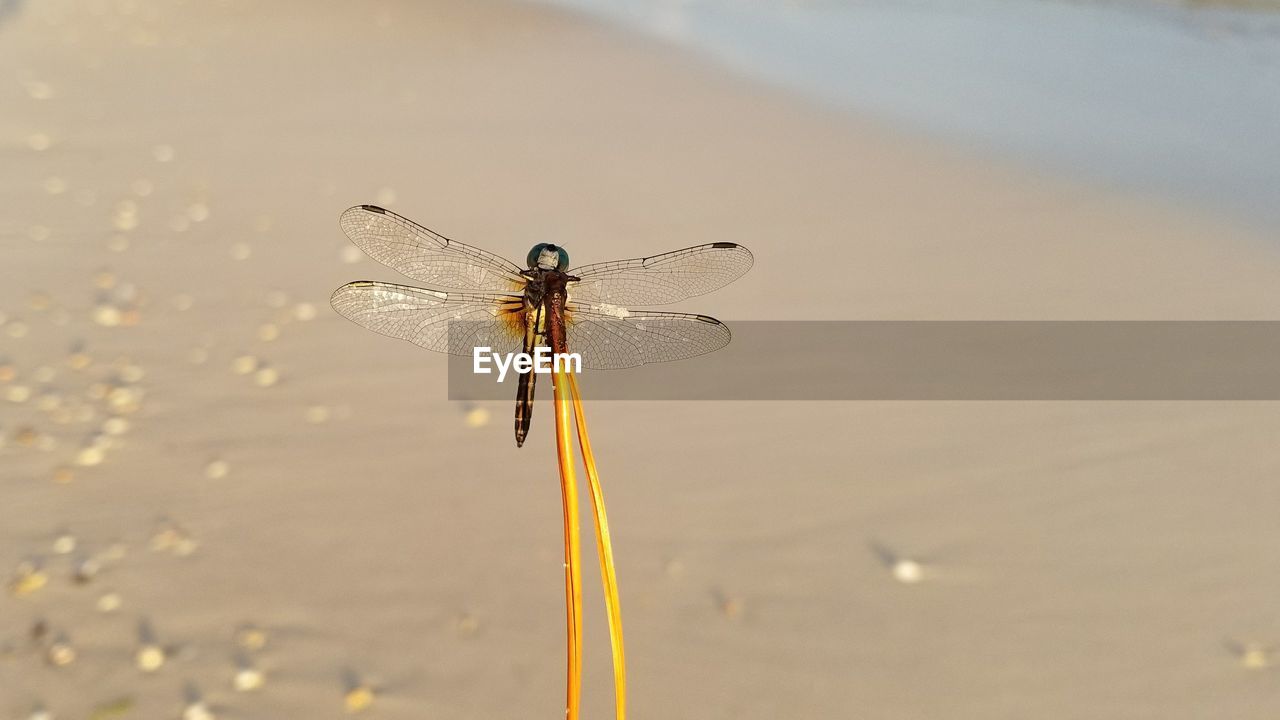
[{"x": 172, "y": 175}]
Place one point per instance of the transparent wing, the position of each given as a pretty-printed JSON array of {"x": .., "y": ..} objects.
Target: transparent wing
[
  {"x": 662, "y": 279},
  {"x": 427, "y": 256},
  {"x": 453, "y": 323},
  {"x": 608, "y": 337}
]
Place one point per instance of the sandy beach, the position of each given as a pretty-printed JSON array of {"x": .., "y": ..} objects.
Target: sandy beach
[{"x": 181, "y": 408}]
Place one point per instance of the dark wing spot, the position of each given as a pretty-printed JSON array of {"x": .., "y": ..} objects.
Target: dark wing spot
[
  {"x": 373, "y": 208},
  {"x": 724, "y": 245}
]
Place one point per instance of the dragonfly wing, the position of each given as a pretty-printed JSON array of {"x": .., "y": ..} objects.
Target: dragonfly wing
[
  {"x": 453, "y": 323},
  {"x": 425, "y": 255},
  {"x": 662, "y": 279},
  {"x": 610, "y": 337}
]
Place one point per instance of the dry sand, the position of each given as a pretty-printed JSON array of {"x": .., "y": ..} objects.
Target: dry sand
[{"x": 1081, "y": 560}]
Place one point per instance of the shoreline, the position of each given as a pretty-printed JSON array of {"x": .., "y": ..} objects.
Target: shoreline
[{"x": 1163, "y": 101}]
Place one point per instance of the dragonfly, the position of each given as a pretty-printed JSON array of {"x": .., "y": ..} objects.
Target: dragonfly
[{"x": 476, "y": 299}]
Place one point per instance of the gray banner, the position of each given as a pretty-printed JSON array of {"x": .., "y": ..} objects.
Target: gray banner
[{"x": 928, "y": 360}]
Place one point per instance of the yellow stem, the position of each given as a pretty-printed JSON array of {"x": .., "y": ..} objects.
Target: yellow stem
[
  {"x": 572, "y": 552},
  {"x": 608, "y": 576}
]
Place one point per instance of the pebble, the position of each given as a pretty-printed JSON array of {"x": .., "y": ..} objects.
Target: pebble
[
  {"x": 26, "y": 436},
  {"x": 38, "y": 90},
  {"x": 169, "y": 537},
  {"x": 217, "y": 469},
  {"x": 244, "y": 364},
  {"x": 477, "y": 417},
  {"x": 197, "y": 710},
  {"x": 247, "y": 678},
  {"x": 109, "y": 602},
  {"x": 39, "y": 301},
  {"x": 64, "y": 544},
  {"x": 150, "y": 657},
  {"x": 131, "y": 373},
  {"x": 358, "y": 698},
  {"x": 125, "y": 399},
  {"x": 60, "y": 652},
  {"x": 251, "y": 637},
  {"x": 907, "y": 571},
  {"x": 732, "y": 607},
  {"x": 107, "y": 315},
  {"x": 467, "y": 624},
  {"x": 304, "y": 311},
  {"x": 266, "y": 377},
  {"x": 85, "y": 570},
  {"x": 28, "y": 578},
  {"x": 90, "y": 456}
]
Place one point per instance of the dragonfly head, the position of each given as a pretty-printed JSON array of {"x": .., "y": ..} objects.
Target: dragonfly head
[{"x": 545, "y": 256}]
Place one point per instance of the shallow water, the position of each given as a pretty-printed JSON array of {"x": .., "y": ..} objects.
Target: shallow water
[{"x": 1179, "y": 101}]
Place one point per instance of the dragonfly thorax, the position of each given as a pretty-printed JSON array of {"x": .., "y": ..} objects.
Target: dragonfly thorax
[{"x": 545, "y": 256}]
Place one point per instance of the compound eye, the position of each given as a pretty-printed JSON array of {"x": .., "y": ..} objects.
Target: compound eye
[{"x": 564, "y": 261}]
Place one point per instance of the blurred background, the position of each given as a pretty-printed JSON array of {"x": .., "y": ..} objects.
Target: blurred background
[{"x": 220, "y": 499}]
